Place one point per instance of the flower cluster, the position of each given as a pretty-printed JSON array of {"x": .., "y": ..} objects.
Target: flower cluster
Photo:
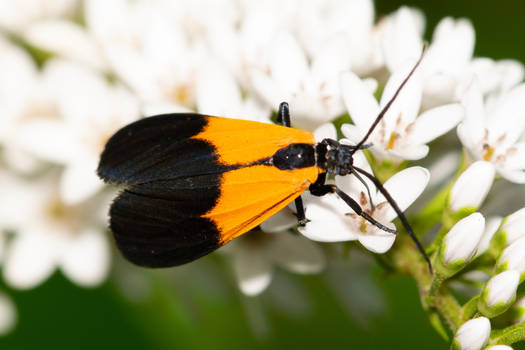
[{"x": 75, "y": 72}]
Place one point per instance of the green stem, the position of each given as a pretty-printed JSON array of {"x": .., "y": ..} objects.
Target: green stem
[
  {"x": 434, "y": 297},
  {"x": 509, "y": 335}
]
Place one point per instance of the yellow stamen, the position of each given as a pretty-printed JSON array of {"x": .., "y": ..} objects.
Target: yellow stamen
[
  {"x": 489, "y": 152},
  {"x": 392, "y": 140},
  {"x": 362, "y": 228},
  {"x": 181, "y": 94}
]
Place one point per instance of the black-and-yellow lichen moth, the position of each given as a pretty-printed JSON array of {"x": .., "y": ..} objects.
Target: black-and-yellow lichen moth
[{"x": 195, "y": 182}]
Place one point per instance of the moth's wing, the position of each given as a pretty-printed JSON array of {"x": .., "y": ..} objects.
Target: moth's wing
[
  {"x": 179, "y": 145},
  {"x": 251, "y": 195},
  {"x": 167, "y": 223},
  {"x": 184, "y": 198},
  {"x": 157, "y": 148}
]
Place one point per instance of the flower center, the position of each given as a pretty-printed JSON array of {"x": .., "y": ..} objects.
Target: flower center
[
  {"x": 181, "y": 94},
  {"x": 488, "y": 152},
  {"x": 392, "y": 140}
]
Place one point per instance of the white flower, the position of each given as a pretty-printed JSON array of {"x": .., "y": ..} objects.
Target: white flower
[
  {"x": 514, "y": 226},
  {"x": 66, "y": 39},
  {"x": 331, "y": 220},
  {"x": 255, "y": 254},
  {"x": 91, "y": 110},
  {"x": 472, "y": 186},
  {"x": 401, "y": 35},
  {"x": 312, "y": 90},
  {"x": 473, "y": 334},
  {"x": 320, "y": 21},
  {"x": 147, "y": 48},
  {"x": 401, "y": 134},
  {"x": 461, "y": 242},
  {"x": 444, "y": 68},
  {"x": 57, "y": 236},
  {"x": 23, "y": 95},
  {"x": 492, "y": 130},
  {"x": 496, "y": 77},
  {"x": 17, "y": 15},
  {"x": 219, "y": 94},
  {"x": 499, "y": 293},
  {"x": 8, "y": 314}
]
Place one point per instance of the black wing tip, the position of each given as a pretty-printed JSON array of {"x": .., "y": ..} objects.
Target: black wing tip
[{"x": 151, "y": 232}]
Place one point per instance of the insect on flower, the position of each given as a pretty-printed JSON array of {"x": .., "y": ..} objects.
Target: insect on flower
[{"x": 195, "y": 182}]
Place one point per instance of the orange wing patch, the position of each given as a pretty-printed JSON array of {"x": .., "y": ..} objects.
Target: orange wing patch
[
  {"x": 251, "y": 195},
  {"x": 243, "y": 141}
]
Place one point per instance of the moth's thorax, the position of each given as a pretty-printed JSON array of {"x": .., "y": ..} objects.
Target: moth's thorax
[{"x": 334, "y": 158}]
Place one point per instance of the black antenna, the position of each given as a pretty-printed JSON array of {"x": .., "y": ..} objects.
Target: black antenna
[
  {"x": 378, "y": 183},
  {"x": 387, "y": 106}
]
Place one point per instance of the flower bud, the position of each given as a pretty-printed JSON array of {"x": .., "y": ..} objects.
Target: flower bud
[
  {"x": 499, "y": 347},
  {"x": 513, "y": 258},
  {"x": 472, "y": 335},
  {"x": 513, "y": 227},
  {"x": 499, "y": 293},
  {"x": 460, "y": 243},
  {"x": 491, "y": 227},
  {"x": 472, "y": 186}
]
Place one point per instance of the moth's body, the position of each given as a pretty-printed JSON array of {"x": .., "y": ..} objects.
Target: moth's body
[{"x": 195, "y": 182}]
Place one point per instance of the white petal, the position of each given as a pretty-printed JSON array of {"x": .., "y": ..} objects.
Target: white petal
[
  {"x": 327, "y": 220},
  {"x": 253, "y": 271},
  {"x": 86, "y": 259},
  {"x": 513, "y": 226},
  {"x": 352, "y": 133},
  {"x": 360, "y": 103},
  {"x": 452, "y": 46},
  {"x": 402, "y": 41},
  {"x": 325, "y": 131},
  {"x": 435, "y": 122},
  {"x": 408, "y": 102},
  {"x": 378, "y": 243},
  {"x": 48, "y": 140},
  {"x": 516, "y": 176},
  {"x": 491, "y": 227},
  {"x": 283, "y": 220},
  {"x": 415, "y": 152},
  {"x": 513, "y": 257},
  {"x": 405, "y": 187},
  {"x": 79, "y": 181},
  {"x": 472, "y": 186},
  {"x": 508, "y": 116},
  {"x": 288, "y": 62},
  {"x": 272, "y": 93},
  {"x": 8, "y": 315},
  {"x": 217, "y": 91},
  {"x": 67, "y": 39},
  {"x": 298, "y": 254},
  {"x": 30, "y": 260}
]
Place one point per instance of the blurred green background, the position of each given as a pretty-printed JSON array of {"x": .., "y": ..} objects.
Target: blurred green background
[{"x": 59, "y": 315}]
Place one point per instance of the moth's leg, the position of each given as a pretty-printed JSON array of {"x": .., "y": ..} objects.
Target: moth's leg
[{"x": 322, "y": 189}]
